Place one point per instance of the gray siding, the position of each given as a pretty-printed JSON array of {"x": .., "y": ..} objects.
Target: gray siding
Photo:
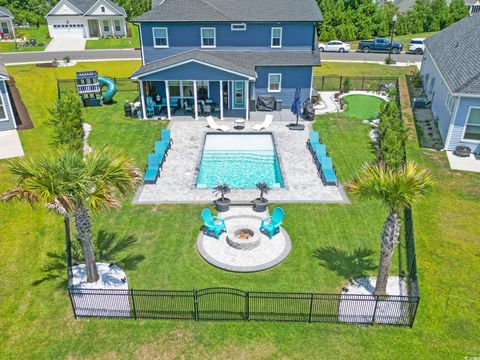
[
  {"x": 459, "y": 124},
  {"x": 8, "y": 124}
]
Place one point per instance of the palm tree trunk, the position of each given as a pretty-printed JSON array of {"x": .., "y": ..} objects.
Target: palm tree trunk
[
  {"x": 68, "y": 246},
  {"x": 389, "y": 240},
  {"x": 84, "y": 230}
]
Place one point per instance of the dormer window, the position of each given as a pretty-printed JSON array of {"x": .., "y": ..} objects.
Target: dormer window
[
  {"x": 102, "y": 9},
  {"x": 276, "y": 37},
  {"x": 239, "y": 27},
  {"x": 208, "y": 37}
]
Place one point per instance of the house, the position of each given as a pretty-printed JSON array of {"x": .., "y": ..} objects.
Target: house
[
  {"x": 6, "y": 24},
  {"x": 86, "y": 19},
  {"x": 451, "y": 78},
  {"x": 227, "y": 52}
]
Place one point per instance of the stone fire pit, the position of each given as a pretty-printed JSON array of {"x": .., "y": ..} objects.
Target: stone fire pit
[{"x": 243, "y": 238}]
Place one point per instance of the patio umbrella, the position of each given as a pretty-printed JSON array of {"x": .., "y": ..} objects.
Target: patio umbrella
[{"x": 296, "y": 108}]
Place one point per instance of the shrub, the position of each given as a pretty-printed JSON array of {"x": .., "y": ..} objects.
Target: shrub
[
  {"x": 392, "y": 136},
  {"x": 388, "y": 60},
  {"x": 347, "y": 85}
]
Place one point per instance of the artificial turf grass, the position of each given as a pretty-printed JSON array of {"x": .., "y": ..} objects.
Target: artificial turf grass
[{"x": 363, "y": 107}]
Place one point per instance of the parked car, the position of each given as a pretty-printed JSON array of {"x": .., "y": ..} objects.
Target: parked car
[
  {"x": 335, "y": 45},
  {"x": 380, "y": 44},
  {"x": 417, "y": 46}
]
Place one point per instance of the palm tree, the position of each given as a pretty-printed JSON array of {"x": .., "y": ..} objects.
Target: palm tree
[
  {"x": 72, "y": 183},
  {"x": 396, "y": 189}
]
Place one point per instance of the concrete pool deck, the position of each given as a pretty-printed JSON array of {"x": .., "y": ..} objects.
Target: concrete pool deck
[{"x": 177, "y": 180}]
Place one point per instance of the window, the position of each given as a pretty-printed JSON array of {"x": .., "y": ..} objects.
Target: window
[
  {"x": 450, "y": 103},
  {"x": 102, "y": 9},
  {"x": 5, "y": 28},
  {"x": 117, "y": 26},
  {"x": 160, "y": 37},
  {"x": 3, "y": 114},
  {"x": 274, "y": 82},
  {"x": 106, "y": 26},
  {"x": 187, "y": 87},
  {"x": 276, "y": 38},
  {"x": 239, "y": 27},
  {"x": 174, "y": 88},
  {"x": 202, "y": 90},
  {"x": 208, "y": 37},
  {"x": 472, "y": 128}
]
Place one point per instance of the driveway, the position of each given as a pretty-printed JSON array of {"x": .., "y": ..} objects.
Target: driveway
[
  {"x": 10, "y": 145},
  {"x": 60, "y": 44}
]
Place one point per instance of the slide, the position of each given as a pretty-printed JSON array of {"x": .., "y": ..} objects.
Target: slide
[{"x": 111, "y": 89}]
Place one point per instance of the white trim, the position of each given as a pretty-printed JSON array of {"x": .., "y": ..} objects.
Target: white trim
[
  {"x": 246, "y": 94},
  {"x": 311, "y": 85},
  {"x": 6, "y": 15},
  {"x": 451, "y": 125},
  {"x": 279, "y": 83},
  {"x": 281, "y": 37},
  {"x": 113, "y": 8},
  {"x": 167, "y": 95},
  {"x": 4, "y": 105},
  {"x": 195, "y": 98},
  {"x": 451, "y": 98},
  {"x": 214, "y": 38},
  {"x": 465, "y": 127},
  {"x": 244, "y": 25},
  {"x": 221, "y": 99},
  {"x": 234, "y": 105},
  {"x": 65, "y": 1},
  {"x": 141, "y": 42},
  {"x": 189, "y": 61},
  {"x": 153, "y": 35},
  {"x": 142, "y": 95}
]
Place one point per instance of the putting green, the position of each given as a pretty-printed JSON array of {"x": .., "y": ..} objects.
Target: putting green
[{"x": 364, "y": 107}]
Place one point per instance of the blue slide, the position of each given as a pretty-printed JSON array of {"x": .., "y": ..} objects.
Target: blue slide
[{"x": 111, "y": 89}]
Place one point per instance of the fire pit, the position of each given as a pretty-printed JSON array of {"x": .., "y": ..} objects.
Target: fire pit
[
  {"x": 243, "y": 238},
  {"x": 462, "y": 151}
]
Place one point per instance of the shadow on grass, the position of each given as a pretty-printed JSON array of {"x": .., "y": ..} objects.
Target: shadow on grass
[
  {"x": 107, "y": 247},
  {"x": 356, "y": 264}
]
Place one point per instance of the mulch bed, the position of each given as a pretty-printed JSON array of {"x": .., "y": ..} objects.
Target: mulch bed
[{"x": 22, "y": 117}]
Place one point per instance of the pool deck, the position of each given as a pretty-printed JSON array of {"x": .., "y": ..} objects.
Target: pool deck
[{"x": 176, "y": 183}]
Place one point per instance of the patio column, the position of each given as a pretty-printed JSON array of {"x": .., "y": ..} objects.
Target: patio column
[
  {"x": 195, "y": 98},
  {"x": 247, "y": 100},
  {"x": 167, "y": 93},
  {"x": 142, "y": 100},
  {"x": 221, "y": 99},
  {"x": 125, "y": 30},
  {"x": 112, "y": 26}
]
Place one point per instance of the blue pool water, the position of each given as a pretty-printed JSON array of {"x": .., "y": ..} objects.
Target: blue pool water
[{"x": 241, "y": 161}]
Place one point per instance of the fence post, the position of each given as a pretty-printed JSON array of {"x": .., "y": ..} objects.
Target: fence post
[
  {"x": 323, "y": 81},
  {"x": 73, "y": 303},
  {"x": 195, "y": 305},
  {"x": 58, "y": 89},
  {"x": 247, "y": 305},
  {"x": 130, "y": 292},
  {"x": 415, "y": 312},
  {"x": 363, "y": 80},
  {"x": 375, "y": 310},
  {"x": 340, "y": 87},
  {"x": 311, "y": 308}
]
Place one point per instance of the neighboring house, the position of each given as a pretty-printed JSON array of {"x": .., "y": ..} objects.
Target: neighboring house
[
  {"x": 404, "y": 5},
  {"x": 227, "y": 51},
  {"x": 473, "y": 6},
  {"x": 451, "y": 78},
  {"x": 7, "y": 118},
  {"x": 86, "y": 19},
  {"x": 6, "y": 23}
]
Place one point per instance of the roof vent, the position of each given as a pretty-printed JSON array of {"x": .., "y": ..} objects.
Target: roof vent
[{"x": 456, "y": 45}]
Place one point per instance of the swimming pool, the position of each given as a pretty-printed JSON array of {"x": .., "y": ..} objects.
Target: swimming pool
[{"x": 240, "y": 160}]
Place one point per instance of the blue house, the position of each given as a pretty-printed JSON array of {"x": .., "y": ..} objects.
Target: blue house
[
  {"x": 226, "y": 53},
  {"x": 7, "y": 118},
  {"x": 451, "y": 78}
]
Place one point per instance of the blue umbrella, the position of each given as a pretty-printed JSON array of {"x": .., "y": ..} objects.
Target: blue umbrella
[{"x": 297, "y": 104}]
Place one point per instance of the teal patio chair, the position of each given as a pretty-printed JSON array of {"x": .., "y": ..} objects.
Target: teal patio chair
[
  {"x": 213, "y": 224},
  {"x": 165, "y": 135},
  {"x": 271, "y": 224},
  {"x": 327, "y": 173},
  {"x": 161, "y": 148},
  {"x": 320, "y": 151},
  {"x": 313, "y": 139},
  {"x": 152, "y": 171},
  {"x": 149, "y": 106}
]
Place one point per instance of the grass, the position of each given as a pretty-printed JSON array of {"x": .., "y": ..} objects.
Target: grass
[
  {"x": 36, "y": 320},
  {"x": 362, "y": 106},
  {"x": 404, "y": 39},
  {"x": 362, "y": 69},
  {"x": 40, "y": 34},
  {"x": 116, "y": 43}
]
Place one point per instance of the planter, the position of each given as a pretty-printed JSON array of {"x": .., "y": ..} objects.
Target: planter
[
  {"x": 222, "y": 205},
  {"x": 260, "y": 205}
]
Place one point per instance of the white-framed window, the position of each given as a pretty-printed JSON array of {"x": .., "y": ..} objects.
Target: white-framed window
[
  {"x": 276, "y": 37},
  {"x": 450, "y": 103},
  {"x": 472, "y": 125},
  {"x": 5, "y": 28},
  {"x": 274, "y": 82},
  {"x": 239, "y": 27},
  {"x": 160, "y": 37},
  {"x": 187, "y": 88},
  {"x": 208, "y": 37},
  {"x": 3, "y": 113},
  {"x": 117, "y": 26},
  {"x": 106, "y": 26},
  {"x": 174, "y": 88}
]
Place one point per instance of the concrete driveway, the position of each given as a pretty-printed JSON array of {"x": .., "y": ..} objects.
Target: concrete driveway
[
  {"x": 63, "y": 44},
  {"x": 10, "y": 145}
]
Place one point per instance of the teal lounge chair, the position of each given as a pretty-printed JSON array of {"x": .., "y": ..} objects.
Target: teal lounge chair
[
  {"x": 149, "y": 106},
  {"x": 161, "y": 148},
  {"x": 320, "y": 151},
  {"x": 327, "y": 173},
  {"x": 166, "y": 136},
  {"x": 313, "y": 140},
  {"x": 152, "y": 171},
  {"x": 271, "y": 224},
  {"x": 213, "y": 224}
]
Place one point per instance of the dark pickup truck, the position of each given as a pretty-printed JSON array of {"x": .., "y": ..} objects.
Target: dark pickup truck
[{"x": 379, "y": 44}]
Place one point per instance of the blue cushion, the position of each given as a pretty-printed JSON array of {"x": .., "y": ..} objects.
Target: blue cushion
[
  {"x": 150, "y": 175},
  {"x": 329, "y": 176}
]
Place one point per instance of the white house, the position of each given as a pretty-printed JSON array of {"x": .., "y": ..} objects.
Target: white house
[
  {"x": 6, "y": 23},
  {"x": 86, "y": 19}
]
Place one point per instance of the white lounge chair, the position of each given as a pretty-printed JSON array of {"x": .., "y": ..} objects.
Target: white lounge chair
[
  {"x": 213, "y": 125},
  {"x": 266, "y": 123}
]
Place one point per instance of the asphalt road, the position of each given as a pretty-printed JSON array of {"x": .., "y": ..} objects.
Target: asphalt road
[{"x": 25, "y": 57}]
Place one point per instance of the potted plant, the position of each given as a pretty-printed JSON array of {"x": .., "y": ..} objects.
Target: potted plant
[
  {"x": 260, "y": 204},
  {"x": 223, "y": 203}
]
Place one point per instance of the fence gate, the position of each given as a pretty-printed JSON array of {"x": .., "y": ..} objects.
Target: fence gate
[{"x": 221, "y": 304}]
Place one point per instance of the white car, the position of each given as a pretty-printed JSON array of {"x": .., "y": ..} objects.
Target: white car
[
  {"x": 335, "y": 45},
  {"x": 417, "y": 46}
]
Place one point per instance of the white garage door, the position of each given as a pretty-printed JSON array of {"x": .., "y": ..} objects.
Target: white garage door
[{"x": 68, "y": 31}]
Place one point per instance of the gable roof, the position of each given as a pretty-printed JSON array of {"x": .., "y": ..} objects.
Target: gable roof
[
  {"x": 232, "y": 10},
  {"x": 4, "y": 12},
  {"x": 456, "y": 52},
  {"x": 85, "y": 5},
  {"x": 242, "y": 62},
  {"x": 3, "y": 69}
]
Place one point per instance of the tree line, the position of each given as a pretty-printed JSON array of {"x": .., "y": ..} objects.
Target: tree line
[{"x": 363, "y": 19}]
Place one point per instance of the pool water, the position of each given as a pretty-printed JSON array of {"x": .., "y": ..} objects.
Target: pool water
[{"x": 240, "y": 160}]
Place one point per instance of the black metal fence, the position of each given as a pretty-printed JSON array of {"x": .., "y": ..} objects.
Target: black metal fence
[
  {"x": 228, "y": 304},
  {"x": 123, "y": 85},
  {"x": 364, "y": 83}
]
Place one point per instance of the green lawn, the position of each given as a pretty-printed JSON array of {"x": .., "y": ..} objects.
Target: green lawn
[
  {"x": 116, "y": 43},
  {"x": 36, "y": 320},
  {"x": 362, "y": 69},
  {"x": 362, "y": 106},
  {"x": 40, "y": 34},
  {"x": 404, "y": 39}
]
